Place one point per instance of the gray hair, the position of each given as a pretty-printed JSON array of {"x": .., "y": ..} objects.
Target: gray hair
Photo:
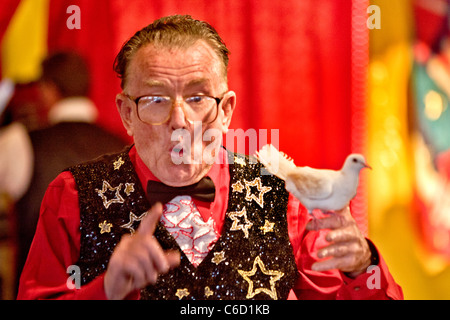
[{"x": 171, "y": 31}]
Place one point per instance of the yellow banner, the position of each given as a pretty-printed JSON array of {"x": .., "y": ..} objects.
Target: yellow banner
[{"x": 25, "y": 42}]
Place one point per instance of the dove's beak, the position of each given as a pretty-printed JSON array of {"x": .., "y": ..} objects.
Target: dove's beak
[{"x": 367, "y": 166}]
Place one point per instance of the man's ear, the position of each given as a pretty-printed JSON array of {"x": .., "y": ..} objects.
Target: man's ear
[
  {"x": 227, "y": 106},
  {"x": 125, "y": 108}
]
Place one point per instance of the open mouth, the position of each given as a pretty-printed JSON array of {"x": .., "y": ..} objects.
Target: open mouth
[{"x": 176, "y": 151}]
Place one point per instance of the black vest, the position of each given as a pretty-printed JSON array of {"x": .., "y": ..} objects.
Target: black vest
[{"x": 252, "y": 259}]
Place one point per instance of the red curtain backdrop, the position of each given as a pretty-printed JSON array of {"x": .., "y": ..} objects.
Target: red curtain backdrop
[{"x": 8, "y": 7}]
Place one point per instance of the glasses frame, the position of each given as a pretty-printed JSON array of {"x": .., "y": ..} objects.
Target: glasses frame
[{"x": 174, "y": 101}]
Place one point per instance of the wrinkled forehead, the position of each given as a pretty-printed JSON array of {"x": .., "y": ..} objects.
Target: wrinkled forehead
[{"x": 176, "y": 62}]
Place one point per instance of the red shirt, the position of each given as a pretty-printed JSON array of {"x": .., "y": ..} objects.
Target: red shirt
[{"x": 56, "y": 246}]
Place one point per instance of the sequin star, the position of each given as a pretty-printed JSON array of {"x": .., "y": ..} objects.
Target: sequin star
[
  {"x": 118, "y": 163},
  {"x": 237, "y": 187},
  {"x": 236, "y": 223},
  {"x": 218, "y": 257},
  {"x": 275, "y": 275},
  {"x": 267, "y": 227},
  {"x": 105, "y": 227},
  {"x": 129, "y": 188},
  {"x": 181, "y": 293},
  {"x": 240, "y": 161},
  {"x": 208, "y": 292},
  {"x": 107, "y": 187},
  {"x": 133, "y": 218},
  {"x": 261, "y": 191}
]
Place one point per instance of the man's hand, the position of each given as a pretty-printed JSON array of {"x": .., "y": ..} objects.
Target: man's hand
[
  {"x": 138, "y": 259},
  {"x": 348, "y": 250}
]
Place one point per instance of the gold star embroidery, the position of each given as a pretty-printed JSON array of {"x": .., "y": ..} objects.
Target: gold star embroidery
[
  {"x": 218, "y": 257},
  {"x": 129, "y": 188},
  {"x": 239, "y": 226},
  {"x": 274, "y": 277},
  {"x": 261, "y": 191},
  {"x": 181, "y": 293},
  {"x": 133, "y": 218},
  {"x": 237, "y": 187},
  {"x": 118, "y": 163},
  {"x": 106, "y": 186},
  {"x": 267, "y": 227},
  {"x": 105, "y": 227},
  {"x": 208, "y": 292},
  {"x": 240, "y": 161}
]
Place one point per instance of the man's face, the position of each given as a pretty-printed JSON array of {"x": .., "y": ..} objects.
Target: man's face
[{"x": 176, "y": 73}]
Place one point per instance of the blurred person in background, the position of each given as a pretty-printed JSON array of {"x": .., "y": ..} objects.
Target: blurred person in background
[{"x": 71, "y": 137}]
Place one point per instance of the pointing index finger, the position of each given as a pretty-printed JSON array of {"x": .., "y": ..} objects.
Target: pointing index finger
[{"x": 150, "y": 221}]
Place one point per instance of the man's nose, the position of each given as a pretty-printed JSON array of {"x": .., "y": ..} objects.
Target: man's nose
[{"x": 178, "y": 118}]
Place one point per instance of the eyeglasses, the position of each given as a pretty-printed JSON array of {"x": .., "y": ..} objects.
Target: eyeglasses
[{"x": 156, "y": 110}]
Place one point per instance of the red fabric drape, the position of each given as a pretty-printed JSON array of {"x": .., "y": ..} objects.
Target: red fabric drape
[
  {"x": 289, "y": 64},
  {"x": 8, "y": 7}
]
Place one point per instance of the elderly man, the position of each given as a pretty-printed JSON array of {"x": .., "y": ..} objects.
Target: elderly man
[{"x": 224, "y": 231}]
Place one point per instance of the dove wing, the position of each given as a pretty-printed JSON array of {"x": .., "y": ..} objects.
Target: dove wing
[
  {"x": 276, "y": 162},
  {"x": 312, "y": 183}
]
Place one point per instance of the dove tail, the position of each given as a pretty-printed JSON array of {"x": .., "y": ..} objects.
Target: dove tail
[{"x": 276, "y": 162}]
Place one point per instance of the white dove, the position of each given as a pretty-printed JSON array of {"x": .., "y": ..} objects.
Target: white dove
[{"x": 323, "y": 189}]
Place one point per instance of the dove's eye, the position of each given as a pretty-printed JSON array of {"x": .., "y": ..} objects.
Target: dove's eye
[{"x": 355, "y": 160}]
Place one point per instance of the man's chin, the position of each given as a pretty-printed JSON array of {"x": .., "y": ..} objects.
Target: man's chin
[{"x": 179, "y": 175}]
